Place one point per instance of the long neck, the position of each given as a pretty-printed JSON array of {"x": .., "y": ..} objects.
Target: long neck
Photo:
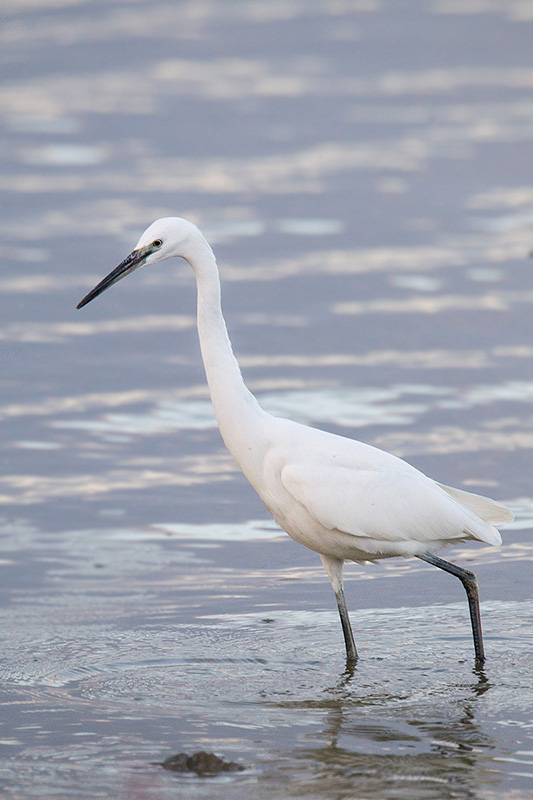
[{"x": 236, "y": 409}]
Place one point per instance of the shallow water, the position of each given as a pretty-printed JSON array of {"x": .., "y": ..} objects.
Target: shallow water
[
  {"x": 130, "y": 645},
  {"x": 362, "y": 170}
]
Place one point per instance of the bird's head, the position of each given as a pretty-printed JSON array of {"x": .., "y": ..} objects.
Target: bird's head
[{"x": 164, "y": 238}]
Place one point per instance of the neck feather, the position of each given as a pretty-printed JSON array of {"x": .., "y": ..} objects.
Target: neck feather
[{"x": 236, "y": 408}]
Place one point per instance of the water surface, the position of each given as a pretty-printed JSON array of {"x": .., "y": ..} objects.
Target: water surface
[{"x": 362, "y": 170}]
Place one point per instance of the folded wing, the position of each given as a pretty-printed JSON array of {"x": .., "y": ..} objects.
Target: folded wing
[{"x": 391, "y": 505}]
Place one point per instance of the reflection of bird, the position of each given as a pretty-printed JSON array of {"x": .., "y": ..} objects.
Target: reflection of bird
[{"x": 342, "y": 498}]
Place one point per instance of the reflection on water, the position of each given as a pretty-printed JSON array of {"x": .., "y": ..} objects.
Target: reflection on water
[
  {"x": 434, "y": 305},
  {"x": 416, "y": 752},
  {"x": 143, "y": 661},
  {"x": 350, "y": 407}
]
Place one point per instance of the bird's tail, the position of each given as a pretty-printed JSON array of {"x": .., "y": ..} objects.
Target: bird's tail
[
  {"x": 485, "y": 508},
  {"x": 488, "y": 512}
]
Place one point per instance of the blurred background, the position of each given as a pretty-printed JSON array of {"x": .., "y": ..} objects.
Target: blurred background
[{"x": 362, "y": 169}]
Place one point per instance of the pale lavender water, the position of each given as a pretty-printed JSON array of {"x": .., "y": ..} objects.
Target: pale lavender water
[{"x": 363, "y": 170}]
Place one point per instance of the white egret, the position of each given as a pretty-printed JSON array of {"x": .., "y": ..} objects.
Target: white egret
[{"x": 342, "y": 498}]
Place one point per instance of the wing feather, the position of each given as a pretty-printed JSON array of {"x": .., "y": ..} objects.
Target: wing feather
[{"x": 384, "y": 504}]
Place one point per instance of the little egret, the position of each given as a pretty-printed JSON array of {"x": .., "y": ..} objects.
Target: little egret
[{"x": 344, "y": 499}]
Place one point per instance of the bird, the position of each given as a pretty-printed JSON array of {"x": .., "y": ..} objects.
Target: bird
[{"x": 344, "y": 499}]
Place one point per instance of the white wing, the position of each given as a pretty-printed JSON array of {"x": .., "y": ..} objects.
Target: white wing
[{"x": 387, "y": 504}]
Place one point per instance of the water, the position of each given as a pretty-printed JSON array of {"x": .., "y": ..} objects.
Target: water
[{"x": 362, "y": 169}]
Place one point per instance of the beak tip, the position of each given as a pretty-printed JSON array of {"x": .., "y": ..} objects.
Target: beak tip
[{"x": 131, "y": 263}]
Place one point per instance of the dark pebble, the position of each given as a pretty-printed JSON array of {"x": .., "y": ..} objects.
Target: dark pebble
[{"x": 204, "y": 764}]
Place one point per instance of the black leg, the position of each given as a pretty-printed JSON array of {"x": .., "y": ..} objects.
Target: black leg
[
  {"x": 333, "y": 567},
  {"x": 351, "y": 650},
  {"x": 469, "y": 581}
]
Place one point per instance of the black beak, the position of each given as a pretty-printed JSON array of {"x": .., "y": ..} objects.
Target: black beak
[{"x": 130, "y": 264}]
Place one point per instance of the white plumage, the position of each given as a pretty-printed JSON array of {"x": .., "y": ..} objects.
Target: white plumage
[{"x": 342, "y": 498}]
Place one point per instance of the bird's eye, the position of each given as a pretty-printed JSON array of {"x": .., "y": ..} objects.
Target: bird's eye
[{"x": 157, "y": 243}]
